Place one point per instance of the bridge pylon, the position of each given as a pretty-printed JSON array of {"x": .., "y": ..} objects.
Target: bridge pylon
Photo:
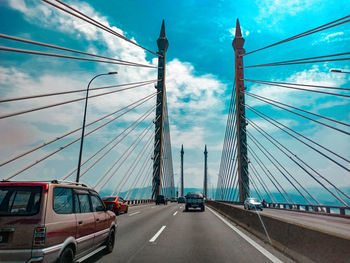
[
  {"x": 163, "y": 44},
  {"x": 241, "y": 123}
]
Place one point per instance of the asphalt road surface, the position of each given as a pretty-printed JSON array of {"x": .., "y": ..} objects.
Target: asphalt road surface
[{"x": 150, "y": 233}]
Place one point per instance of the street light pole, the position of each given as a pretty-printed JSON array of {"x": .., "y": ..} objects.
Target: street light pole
[{"x": 84, "y": 120}]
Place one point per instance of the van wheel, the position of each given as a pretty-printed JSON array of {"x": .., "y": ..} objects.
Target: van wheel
[
  {"x": 126, "y": 210},
  {"x": 67, "y": 256},
  {"x": 110, "y": 242}
]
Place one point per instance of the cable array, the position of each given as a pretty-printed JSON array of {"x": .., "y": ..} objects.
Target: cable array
[
  {"x": 276, "y": 170},
  {"x": 120, "y": 140}
]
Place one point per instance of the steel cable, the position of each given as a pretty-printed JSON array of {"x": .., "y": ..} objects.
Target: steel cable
[
  {"x": 71, "y": 132},
  {"x": 288, "y": 87},
  {"x": 95, "y": 23},
  {"x": 63, "y": 147},
  {"x": 70, "y": 50},
  {"x": 63, "y": 103},
  {"x": 40, "y": 53},
  {"x": 275, "y": 142},
  {"x": 76, "y": 91},
  {"x": 309, "y": 32},
  {"x": 261, "y": 98},
  {"x": 270, "y": 120}
]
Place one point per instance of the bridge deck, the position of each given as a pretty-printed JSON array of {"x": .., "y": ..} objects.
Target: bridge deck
[{"x": 188, "y": 237}]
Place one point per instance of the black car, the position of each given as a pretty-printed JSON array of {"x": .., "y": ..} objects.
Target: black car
[
  {"x": 181, "y": 199},
  {"x": 195, "y": 200},
  {"x": 161, "y": 199}
]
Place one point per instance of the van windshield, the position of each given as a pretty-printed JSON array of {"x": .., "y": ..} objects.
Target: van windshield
[{"x": 20, "y": 200}]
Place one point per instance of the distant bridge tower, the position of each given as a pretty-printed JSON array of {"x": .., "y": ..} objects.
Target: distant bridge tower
[
  {"x": 205, "y": 188},
  {"x": 237, "y": 44},
  {"x": 163, "y": 44},
  {"x": 182, "y": 171}
]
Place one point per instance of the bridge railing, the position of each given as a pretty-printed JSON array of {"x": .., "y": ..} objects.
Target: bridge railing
[
  {"x": 324, "y": 209},
  {"x": 320, "y": 209},
  {"x": 142, "y": 201}
]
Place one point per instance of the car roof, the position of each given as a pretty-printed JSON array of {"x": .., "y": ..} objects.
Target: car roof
[
  {"x": 46, "y": 184},
  {"x": 23, "y": 184}
]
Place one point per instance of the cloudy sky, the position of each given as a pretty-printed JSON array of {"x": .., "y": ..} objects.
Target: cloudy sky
[{"x": 200, "y": 73}]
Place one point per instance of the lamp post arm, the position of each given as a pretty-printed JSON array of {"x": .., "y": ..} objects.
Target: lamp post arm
[{"x": 84, "y": 120}]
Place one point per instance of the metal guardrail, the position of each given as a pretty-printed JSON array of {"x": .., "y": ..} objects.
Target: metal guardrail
[{"x": 319, "y": 209}]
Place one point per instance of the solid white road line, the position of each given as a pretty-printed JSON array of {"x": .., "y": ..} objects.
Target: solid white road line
[
  {"x": 157, "y": 234},
  {"x": 175, "y": 213},
  {"x": 248, "y": 239},
  {"x": 153, "y": 207},
  {"x": 90, "y": 254},
  {"x": 138, "y": 212}
]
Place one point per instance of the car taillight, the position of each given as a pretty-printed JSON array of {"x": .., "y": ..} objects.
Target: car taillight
[{"x": 39, "y": 236}]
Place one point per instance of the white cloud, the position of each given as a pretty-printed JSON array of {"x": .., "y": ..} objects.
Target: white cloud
[
  {"x": 329, "y": 36},
  {"x": 277, "y": 10},
  {"x": 341, "y": 36},
  {"x": 192, "y": 138}
]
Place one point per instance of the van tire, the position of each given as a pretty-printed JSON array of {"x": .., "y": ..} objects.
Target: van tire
[
  {"x": 110, "y": 241},
  {"x": 66, "y": 256}
]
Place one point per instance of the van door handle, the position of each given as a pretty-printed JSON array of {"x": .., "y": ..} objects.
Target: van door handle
[
  {"x": 97, "y": 219},
  {"x": 80, "y": 222}
]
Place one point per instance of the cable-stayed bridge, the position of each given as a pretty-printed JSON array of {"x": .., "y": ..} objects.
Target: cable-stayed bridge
[{"x": 127, "y": 151}]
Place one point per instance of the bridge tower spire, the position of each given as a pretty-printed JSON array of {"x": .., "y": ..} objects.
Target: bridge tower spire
[
  {"x": 241, "y": 123},
  {"x": 182, "y": 171},
  {"x": 163, "y": 44},
  {"x": 205, "y": 188}
]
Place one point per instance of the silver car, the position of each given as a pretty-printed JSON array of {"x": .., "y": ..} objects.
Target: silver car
[{"x": 253, "y": 203}]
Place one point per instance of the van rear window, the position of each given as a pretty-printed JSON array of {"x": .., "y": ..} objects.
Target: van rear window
[{"x": 20, "y": 200}]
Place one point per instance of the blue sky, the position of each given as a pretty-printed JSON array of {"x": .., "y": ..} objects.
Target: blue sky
[{"x": 200, "y": 76}]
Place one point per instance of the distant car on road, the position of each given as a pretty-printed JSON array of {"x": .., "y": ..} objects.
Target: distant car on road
[
  {"x": 173, "y": 199},
  {"x": 252, "y": 203},
  {"x": 181, "y": 200},
  {"x": 161, "y": 199},
  {"x": 52, "y": 222},
  {"x": 116, "y": 204},
  {"x": 195, "y": 200}
]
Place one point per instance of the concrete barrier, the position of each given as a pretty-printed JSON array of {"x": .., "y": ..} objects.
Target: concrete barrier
[{"x": 300, "y": 242}]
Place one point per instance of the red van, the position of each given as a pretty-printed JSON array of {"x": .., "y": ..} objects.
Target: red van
[{"x": 53, "y": 222}]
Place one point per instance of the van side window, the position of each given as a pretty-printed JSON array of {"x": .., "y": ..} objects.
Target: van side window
[
  {"x": 97, "y": 204},
  {"x": 63, "y": 200},
  {"x": 84, "y": 203}
]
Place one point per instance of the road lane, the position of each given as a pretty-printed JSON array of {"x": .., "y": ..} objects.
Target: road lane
[
  {"x": 134, "y": 232},
  {"x": 170, "y": 234}
]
